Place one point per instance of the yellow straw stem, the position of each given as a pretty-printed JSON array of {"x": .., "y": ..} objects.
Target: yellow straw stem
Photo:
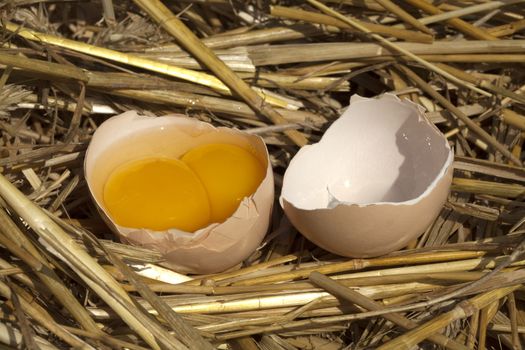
[
  {"x": 135, "y": 61},
  {"x": 397, "y": 48}
]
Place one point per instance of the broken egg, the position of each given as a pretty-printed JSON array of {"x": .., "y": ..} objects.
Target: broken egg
[
  {"x": 200, "y": 195},
  {"x": 374, "y": 182}
]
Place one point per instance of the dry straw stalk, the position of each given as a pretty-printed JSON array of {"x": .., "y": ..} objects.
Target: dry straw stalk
[
  {"x": 461, "y": 25},
  {"x": 397, "y": 48},
  {"x": 66, "y": 246},
  {"x": 292, "y": 13},
  {"x": 160, "y": 13},
  {"x": 464, "y": 309},
  {"x": 462, "y": 117},
  {"x": 46, "y": 273},
  {"x": 305, "y": 57},
  {"x": 355, "y": 297},
  {"x": 405, "y": 16},
  {"x": 358, "y": 264},
  {"x": 129, "y": 59}
]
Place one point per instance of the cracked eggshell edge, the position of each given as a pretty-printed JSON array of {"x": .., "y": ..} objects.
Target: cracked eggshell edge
[
  {"x": 381, "y": 225},
  {"x": 394, "y": 218},
  {"x": 214, "y": 248}
]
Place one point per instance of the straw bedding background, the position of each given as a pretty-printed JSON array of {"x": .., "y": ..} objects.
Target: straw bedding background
[{"x": 283, "y": 70}]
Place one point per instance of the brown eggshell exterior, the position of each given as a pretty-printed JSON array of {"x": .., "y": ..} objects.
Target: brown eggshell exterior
[
  {"x": 209, "y": 250},
  {"x": 372, "y": 230},
  {"x": 355, "y": 226}
]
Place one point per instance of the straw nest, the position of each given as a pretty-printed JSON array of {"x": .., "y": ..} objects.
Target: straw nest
[{"x": 68, "y": 65}]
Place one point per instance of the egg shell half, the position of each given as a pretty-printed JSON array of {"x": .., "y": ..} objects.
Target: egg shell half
[
  {"x": 376, "y": 180},
  {"x": 130, "y": 136}
]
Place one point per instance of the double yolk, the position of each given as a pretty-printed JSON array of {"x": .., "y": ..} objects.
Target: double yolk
[{"x": 204, "y": 186}]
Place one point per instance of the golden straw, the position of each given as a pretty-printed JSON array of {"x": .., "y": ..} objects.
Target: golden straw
[
  {"x": 397, "y": 48},
  {"x": 132, "y": 60}
]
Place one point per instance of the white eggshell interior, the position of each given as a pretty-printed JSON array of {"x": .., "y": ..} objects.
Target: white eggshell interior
[{"x": 381, "y": 152}]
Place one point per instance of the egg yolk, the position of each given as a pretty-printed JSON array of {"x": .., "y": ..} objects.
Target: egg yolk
[
  {"x": 228, "y": 172},
  {"x": 157, "y": 194}
]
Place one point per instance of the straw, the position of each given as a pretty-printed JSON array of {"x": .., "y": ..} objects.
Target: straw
[
  {"x": 462, "y": 310},
  {"x": 405, "y": 16},
  {"x": 68, "y": 282},
  {"x": 345, "y": 293},
  {"x": 53, "y": 234},
  {"x": 176, "y": 27},
  {"x": 459, "y": 24},
  {"x": 44, "y": 271},
  {"x": 359, "y": 264},
  {"x": 463, "y": 118},
  {"x": 129, "y": 59},
  {"x": 43, "y": 318},
  {"x": 293, "y": 13},
  {"x": 513, "y": 312},
  {"x": 396, "y": 47},
  {"x": 468, "y": 10}
]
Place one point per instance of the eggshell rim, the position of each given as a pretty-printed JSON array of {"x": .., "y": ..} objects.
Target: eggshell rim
[
  {"x": 173, "y": 119},
  {"x": 420, "y": 110}
]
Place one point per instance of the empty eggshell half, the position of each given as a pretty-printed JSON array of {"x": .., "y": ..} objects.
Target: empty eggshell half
[
  {"x": 375, "y": 181},
  {"x": 130, "y": 136}
]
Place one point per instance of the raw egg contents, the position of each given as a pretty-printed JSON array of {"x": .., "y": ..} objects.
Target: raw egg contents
[
  {"x": 228, "y": 172},
  {"x": 129, "y": 137},
  {"x": 157, "y": 194}
]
